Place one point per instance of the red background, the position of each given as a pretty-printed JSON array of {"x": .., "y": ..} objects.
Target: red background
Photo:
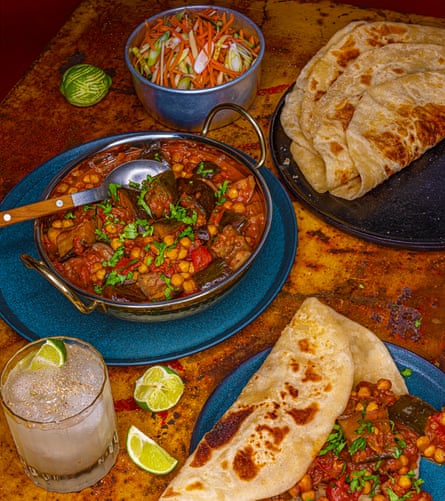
[{"x": 26, "y": 27}]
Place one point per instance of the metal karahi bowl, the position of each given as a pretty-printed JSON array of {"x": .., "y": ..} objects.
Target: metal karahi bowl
[
  {"x": 187, "y": 110},
  {"x": 179, "y": 307}
]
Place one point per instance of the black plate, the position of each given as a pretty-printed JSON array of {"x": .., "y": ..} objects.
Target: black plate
[
  {"x": 406, "y": 211},
  {"x": 426, "y": 381}
]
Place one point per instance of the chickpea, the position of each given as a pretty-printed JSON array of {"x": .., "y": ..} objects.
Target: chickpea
[
  {"x": 115, "y": 243},
  {"x": 212, "y": 229},
  {"x": 90, "y": 178},
  {"x": 169, "y": 240},
  {"x": 135, "y": 253},
  {"x": 404, "y": 460},
  {"x": 111, "y": 229},
  {"x": 379, "y": 497},
  {"x": 142, "y": 268},
  {"x": 189, "y": 285},
  {"x": 239, "y": 207},
  {"x": 367, "y": 487},
  {"x": 364, "y": 392},
  {"x": 429, "y": 451},
  {"x": 185, "y": 242},
  {"x": 308, "y": 496},
  {"x": 177, "y": 280},
  {"x": 96, "y": 267},
  {"x": 100, "y": 274},
  {"x": 422, "y": 443},
  {"x": 172, "y": 253},
  {"x": 62, "y": 187},
  {"x": 305, "y": 484},
  {"x": 232, "y": 193},
  {"x": 372, "y": 406},
  {"x": 182, "y": 253},
  {"x": 404, "y": 481},
  {"x": 177, "y": 167},
  {"x": 183, "y": 266},
  {"x": 439, "y": 455},
  {"x": 359, "y": 407},
  {"x": 384, "y": 384}
]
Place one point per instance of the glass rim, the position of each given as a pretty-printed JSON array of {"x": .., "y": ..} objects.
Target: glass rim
[{"x": 72, "y": 340}]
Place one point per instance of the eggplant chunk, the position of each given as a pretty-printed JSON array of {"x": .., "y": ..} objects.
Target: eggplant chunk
[
  {"x": 235, "y": 219},
  {"x": 412, "y": 411},
  {"x": 153, "y": 286},
  {"x": 83, "y": 233},
  {"x": 212, "y": 275},
  {"x": 160, "y": 193},
  {"x": 198, "y": 195}
]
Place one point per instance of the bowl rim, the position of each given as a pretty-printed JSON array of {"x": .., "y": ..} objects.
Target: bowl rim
[
  {"x": 253, "y": 68},
  {"x": 180, "y": 303}
]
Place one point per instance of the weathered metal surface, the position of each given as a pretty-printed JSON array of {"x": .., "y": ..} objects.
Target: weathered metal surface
[{"x": 398, "y": 294}]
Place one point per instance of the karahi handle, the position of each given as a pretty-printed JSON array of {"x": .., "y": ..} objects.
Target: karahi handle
[{"x": 36, "y": 210}]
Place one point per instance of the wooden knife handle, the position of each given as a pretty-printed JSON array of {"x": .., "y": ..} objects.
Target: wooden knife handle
[{"x": 35, "y": 210}]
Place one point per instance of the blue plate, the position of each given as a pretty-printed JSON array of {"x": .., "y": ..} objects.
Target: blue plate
[
  {"x": 426, "y": 382},
  {"x": 35, "y": 309}
]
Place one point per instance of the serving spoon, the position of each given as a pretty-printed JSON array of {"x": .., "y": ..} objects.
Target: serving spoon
[{"x": 133, "y": 171}]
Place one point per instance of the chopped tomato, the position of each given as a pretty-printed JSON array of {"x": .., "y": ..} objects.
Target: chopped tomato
[
  {"x": 340, "y": 490},
  {"x": 201, "y": 258}
]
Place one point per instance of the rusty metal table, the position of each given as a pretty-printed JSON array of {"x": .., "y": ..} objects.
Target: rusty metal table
[{"x": 386, "y": 289}]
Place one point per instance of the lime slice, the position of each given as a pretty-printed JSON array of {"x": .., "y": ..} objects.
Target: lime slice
[
  {"x": 52, "y": 353},
  {"x": 147, "y": 454},
  {"x": 159, "y": 389}
]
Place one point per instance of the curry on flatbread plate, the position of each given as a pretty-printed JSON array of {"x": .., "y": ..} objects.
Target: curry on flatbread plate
[
  {"x": 327, "y": 384},
  {"x": 366, "y": 105}
]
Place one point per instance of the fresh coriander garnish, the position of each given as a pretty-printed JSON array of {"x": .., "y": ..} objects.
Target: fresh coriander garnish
[
  {"x": 180, "y": 214},
  {"x": 336, "y": 442},
  {"x": 112, "y": 190},
  {"x": 220, "y": 192},
  {"x": 406, "y": 372},
  {"x": 359, "y": 444}
]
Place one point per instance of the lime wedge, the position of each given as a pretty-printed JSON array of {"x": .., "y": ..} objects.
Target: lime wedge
[
  {"x": 52, "y": 353},
  {"x": 158, "y": 389},
  {"x": 147, "y": 454}
]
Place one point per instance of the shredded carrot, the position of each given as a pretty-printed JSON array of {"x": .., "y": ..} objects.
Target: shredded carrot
[{"x": 172, "y": 45}]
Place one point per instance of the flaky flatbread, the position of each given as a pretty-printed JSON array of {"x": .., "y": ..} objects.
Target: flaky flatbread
[
  {"x": 317, "y": 112},
  {"x": 268, "y": 438}
]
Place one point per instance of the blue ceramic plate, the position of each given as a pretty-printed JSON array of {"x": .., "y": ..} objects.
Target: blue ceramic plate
[
  {"x": 426, "y": 382},
  {"x": 35, "y": 309}
]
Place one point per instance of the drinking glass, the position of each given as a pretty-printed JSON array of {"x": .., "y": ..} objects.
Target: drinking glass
[{"x": 62, "y": 419}]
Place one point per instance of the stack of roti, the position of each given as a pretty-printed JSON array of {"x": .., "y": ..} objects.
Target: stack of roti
[
  {"x": 265, "y": 442},
  {"x": 370, "y": 102}
]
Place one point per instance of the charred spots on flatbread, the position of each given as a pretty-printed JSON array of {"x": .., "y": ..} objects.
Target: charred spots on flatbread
[
  {"x": 227, "y": 427},
  {"x": 272, "y": 437},
  {"x": 304, "y": 416},
  {"x": 305, "y": 345},
  {"x": 244, "y": 464},
  {"x": 291, "y": 390},
  {"x": 311, "y": 374}
]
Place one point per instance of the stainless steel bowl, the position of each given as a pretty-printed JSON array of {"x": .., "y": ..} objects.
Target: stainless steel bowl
[
  {"x": 187, "y": 109},
  {"x": 162, "y": 310}
]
